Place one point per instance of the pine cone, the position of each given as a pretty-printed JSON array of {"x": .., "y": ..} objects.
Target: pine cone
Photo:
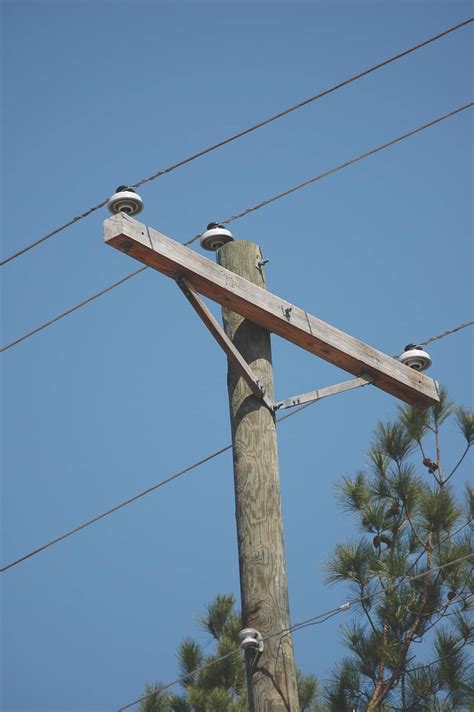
[{"x": 432, "y": 466}]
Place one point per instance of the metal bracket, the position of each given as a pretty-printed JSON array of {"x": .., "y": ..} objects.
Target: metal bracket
[
  {"x": 257, "y": 388},
  {"x": 364, "y": 380},
  {"x": 260, "y": 263}
]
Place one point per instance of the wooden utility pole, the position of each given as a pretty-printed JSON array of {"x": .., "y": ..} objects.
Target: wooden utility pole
[
  {"x": 250, "y": 313},
  {"x": 271, "y": 675}
]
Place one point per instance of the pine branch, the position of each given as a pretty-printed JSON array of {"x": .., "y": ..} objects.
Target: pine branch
[
  {"x": 438, "y": 660},
  {"x": 460, "y": 461},
  {"x": 446, "y": 538},
  {"x": 380, "y": 694},
  {"x": 444, "y": 609},
  {"x": 438, "y": 457},
  {"x": 420, "y": 445},
  {"x": 403, "y": 692},
  {"x": 415, "y": 533},
  {"x": 413, "y": 565},
  {"x": 422, "y": 524},
  {"x": 367, "y": 613}
]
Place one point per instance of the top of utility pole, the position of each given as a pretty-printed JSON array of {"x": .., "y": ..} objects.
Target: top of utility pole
[{"x": 269, "y": 311}]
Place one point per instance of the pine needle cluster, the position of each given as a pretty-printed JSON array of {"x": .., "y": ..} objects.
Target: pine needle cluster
[
  {"x": 408, "y": 647},
  {"x": 220, "y": 686}
]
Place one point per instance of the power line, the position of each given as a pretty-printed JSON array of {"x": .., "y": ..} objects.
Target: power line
[
  {"x": 162, "y": 688},
  {"x": 314, "y": 620},
  {"x": 442, "y": 335},
  {"x": 178, "y": 474},
  {"x": 107, "y": 512},
  {"x": 369, "y": 596},
  {"x": 135, "y": 497},
  {"x": 73, "y": 309},
  {"x": 340, "y": 166},
  {"x": 447, "y": 333},
  {"x": 245, "y": 132},
  {"x": 232, "y": 218},
  {"x": 309, "y": 100}
]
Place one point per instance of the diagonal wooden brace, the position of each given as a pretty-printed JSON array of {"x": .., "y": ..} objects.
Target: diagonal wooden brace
[
  {"x": 224, "y": 342},
  {"x": 324, "y": 392},
  {"x": 268, "y": 310}
]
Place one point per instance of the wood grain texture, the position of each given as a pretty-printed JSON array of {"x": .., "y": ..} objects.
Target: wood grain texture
[
  {"x": 271, "y": 676},
  {"x": 268, "y": 310}
]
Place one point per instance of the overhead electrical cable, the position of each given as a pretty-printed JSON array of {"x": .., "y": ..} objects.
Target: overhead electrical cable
[
  {"x": 245, "y": 212},
  {"x": 446, "y": 333},
  {"x": 162, "y": 688},
  {"x": 246, "y": 131},
  {"x": 135, "y": 497},
  {"x": 157, "y": 485},
  {"x": 73, "y": 309},
  {"x": 369, "y": 596},
  {"x": 340, "y": 166},
  {"x": 314, "y": 620},
  {"x": 107, "y": 512}
]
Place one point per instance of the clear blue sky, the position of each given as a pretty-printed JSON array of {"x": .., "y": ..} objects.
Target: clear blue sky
[{"x": 131, "y": 388}]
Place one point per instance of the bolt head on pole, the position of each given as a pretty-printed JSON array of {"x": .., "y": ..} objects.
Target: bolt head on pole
[
  {"x": 414, "y": 357},
  {"x": 125, "y": 200},
  {"x": 215, "y": 236}
]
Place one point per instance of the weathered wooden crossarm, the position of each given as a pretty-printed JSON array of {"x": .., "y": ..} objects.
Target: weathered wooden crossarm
[{"x": 268, "y": 310}]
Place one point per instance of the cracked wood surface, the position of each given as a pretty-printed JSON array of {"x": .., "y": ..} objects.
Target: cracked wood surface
[{"x": 271, "y": 675}]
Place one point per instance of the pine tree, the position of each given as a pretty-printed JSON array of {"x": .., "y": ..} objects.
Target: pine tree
[
  {"x": 219, "y": 686},
  {"x": 408, "y": 646}
]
